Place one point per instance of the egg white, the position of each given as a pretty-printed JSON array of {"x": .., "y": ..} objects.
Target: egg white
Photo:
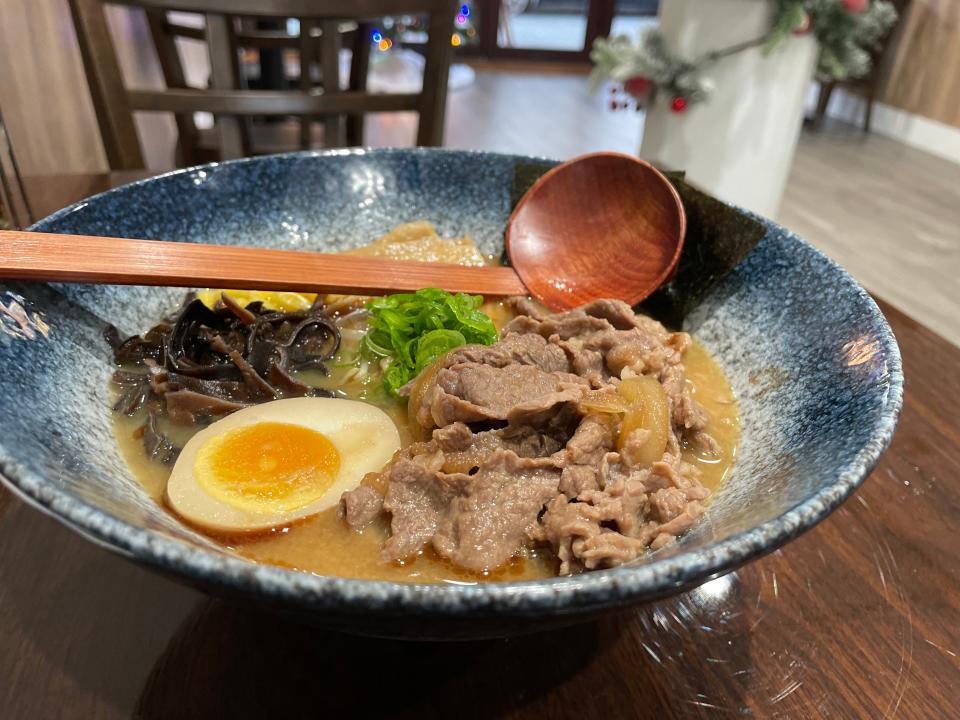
[{"x": 364, "y": 436}]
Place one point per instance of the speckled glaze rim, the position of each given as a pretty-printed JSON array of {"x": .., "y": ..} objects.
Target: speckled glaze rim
[{"x": 563, "y": 595}]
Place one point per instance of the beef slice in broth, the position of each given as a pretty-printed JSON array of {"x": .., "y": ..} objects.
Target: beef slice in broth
[{"x": 519, "y": 454}]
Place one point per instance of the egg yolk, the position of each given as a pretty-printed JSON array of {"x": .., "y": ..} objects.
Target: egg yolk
[
  {"x": 284, "y": 301},
  {"x": 267, "y": 466}
]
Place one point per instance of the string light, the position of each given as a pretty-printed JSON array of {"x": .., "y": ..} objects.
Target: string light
[
  {"x": 385, "y": 44},
  {"x": 456, "y": 40},
  {"x": 461, "y": 19},
  {"x": 465, "y": 10},
  {"x": 377, "y": 36}
]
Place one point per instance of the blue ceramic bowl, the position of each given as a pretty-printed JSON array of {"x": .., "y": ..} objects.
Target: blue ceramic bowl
[{"x": 812, "y": 360}]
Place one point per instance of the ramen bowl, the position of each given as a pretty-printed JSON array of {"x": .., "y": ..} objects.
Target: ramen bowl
[{"x": 810, "y": 357}]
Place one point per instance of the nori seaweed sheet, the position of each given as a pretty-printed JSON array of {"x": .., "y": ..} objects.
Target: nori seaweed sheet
[{"x": 718, "y": 238}]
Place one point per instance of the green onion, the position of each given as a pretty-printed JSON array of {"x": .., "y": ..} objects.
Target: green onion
[{"x": 414, "y": 329}]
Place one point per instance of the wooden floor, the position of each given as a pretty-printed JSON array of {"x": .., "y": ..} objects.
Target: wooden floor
[{"x": 888, "y": 213}]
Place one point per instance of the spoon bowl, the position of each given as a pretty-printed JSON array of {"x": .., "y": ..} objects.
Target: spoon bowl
[{"x": 605, "y": 225}]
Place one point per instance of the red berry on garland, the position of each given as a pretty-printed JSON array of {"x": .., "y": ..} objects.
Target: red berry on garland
[
  {"x": 804, "y": 26},
  {"x": 855, "y": 6},
  {"x": 638, "y": 87},
  {"x": 678, "y": 104}
]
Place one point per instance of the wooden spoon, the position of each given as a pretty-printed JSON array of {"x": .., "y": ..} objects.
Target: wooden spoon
[
  {"x": 602, "y": 225},
  {"x": 605, "y": 225}
]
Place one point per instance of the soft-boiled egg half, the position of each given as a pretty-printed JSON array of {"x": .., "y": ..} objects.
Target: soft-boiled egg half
[{"x": 273, "y": 464}]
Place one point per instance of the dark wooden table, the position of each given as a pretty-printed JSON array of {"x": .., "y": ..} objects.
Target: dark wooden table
[{"x": 860, "y": 617}]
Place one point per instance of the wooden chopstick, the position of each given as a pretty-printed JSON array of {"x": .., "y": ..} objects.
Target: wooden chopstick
[{"x": 89, "y": 259}]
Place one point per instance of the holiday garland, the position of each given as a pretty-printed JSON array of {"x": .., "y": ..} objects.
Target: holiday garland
[{"x": 846, "y": 31}]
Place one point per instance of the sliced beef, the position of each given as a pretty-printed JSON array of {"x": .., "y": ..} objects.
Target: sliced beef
[
  {"x": 587, "y": 363},
  {"x": 535, "y": 350},
  {"x": 667, "y": 503},
  {"x": 486, "y": 525},
  {"x": 522, "y": 447},
  {"x": 608, "y": 549},
  {"x": 616, "y": 312},
  {"x": 472, "y": 392},
  {"x": 525, "y": 306},
  {"x": 478, "y": 521},
  {"x": 631, "y": 354},
  {"x": 607, "y": 527},
  {"x": 574, "y": 324},
  {"x": 577, "y": 479},
  {"x": 581, "y": 535},
  {"x": 453, "y": 438},
  {"x": 526, "y": 349},
  {"x": 464, "y": 451},
  {"x": 498, "y": 390},
  {"x": 492, "y": 355},
  {"x": 593, "y": 439},
  {"x": 416, "y": 498},
  {"x": 588, "y": 320},
  {"x": 684, "y": 521},
  {"x": 361, "y": 506}
]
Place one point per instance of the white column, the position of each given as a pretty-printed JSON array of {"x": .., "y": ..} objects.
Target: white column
[{"x": 738, "y": 144}]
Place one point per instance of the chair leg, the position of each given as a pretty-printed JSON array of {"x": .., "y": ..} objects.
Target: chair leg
[
  {"x": 333, "y": 135},
  {"x": 305, "y": 127},
  {"x": 826, "y": 90},
  {"x": 306, "y": 60},
  {"x": 432, "y": 104},
  {"x": 359, "y": 65},
  {"x": 868, "y": 111}
]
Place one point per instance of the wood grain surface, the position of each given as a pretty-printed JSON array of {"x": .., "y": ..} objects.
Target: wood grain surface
[
  {"x": 923, "y": 74},
  {"x": 84, "y": 258},
  {"x": 858, "y": 618},
  {"x": 43, "y": 90}
]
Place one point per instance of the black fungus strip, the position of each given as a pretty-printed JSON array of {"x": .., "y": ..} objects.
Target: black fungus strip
[
  {"x": 137, "y": 348},
  {"x": 243, "y": 315},
  {"x": 202, "y": 364},
  {"x": 156, "y": 444},
  {"x": 134, "y": 395}
]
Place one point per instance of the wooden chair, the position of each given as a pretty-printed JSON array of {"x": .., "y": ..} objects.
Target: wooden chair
[
  {"x": 318, "y": 46},
  {"x": 869, "y": 85},
  {"x": 229, "y": 101}
]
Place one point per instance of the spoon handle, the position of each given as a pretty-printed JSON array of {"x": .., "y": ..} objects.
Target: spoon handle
[{"x": 103, "y": 260}]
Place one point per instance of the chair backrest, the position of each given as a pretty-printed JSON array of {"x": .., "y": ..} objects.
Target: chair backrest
[
  {"x": 225, "y": 99},
  {"x": 15, "y": 210}
]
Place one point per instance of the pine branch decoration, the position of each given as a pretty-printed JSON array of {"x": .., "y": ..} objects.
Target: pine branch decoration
[{"x": 847, "y": 31}]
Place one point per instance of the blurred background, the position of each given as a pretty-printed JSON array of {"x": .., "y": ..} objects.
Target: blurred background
[{"x": 867, "y": 168}]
